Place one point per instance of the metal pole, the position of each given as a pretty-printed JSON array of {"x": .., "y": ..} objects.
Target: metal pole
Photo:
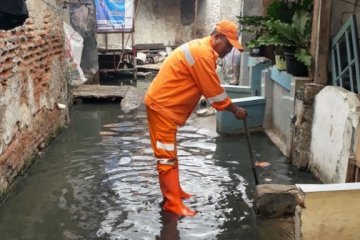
[
  {"x": 247, "y": 133},
  {"x": 195, "y": 18}
]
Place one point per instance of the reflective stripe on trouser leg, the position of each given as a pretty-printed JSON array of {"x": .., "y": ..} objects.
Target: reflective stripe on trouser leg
[{"x": 163, "y": 140}]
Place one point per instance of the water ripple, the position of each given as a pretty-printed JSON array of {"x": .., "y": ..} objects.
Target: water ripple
[{"x": 94, "y": 186}]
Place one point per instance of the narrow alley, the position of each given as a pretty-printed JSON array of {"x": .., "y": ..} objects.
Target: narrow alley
[
  {"x": 179, "y": 119},
  {"x": 97, "y": 181}
]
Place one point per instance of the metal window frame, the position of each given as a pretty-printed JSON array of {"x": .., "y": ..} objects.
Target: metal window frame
[{"x": 353, "y": 61}]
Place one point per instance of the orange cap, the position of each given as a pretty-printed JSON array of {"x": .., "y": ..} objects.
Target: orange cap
[{"x": 230, "y": 31}]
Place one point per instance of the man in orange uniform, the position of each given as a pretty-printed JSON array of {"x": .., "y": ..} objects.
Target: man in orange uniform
[{"x": 187, "y": 74}]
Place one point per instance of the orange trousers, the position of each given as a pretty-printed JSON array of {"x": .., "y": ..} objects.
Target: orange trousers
[{"x": 163, "y": 141}]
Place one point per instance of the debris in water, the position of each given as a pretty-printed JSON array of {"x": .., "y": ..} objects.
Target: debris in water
[
  {"x": 262, "y": 164},
  {"x": 60, "y": 106},
  {"x": 111, "y": 125},
  {"x": 108, "y": 133},
  {"x": 268, "y": 180}
]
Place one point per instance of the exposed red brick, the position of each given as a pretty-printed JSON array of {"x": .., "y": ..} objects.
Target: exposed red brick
[{"x": 45, "y": 123}]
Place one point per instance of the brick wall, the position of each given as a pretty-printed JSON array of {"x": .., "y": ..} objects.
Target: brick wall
[{"x": 32, "y": 82}]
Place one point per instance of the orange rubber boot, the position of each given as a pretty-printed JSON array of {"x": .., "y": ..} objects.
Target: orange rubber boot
[
  {"x": 183, "y": 194},
  {"x": 169, "y": 185}
]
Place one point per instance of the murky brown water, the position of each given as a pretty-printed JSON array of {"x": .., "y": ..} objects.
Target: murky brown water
[{"x": 89, "y": 186}]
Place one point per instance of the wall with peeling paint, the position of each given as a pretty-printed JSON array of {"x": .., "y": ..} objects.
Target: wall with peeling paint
[
  {"x": 160, "y": 21},
  {"x": 334, "y": 133},
  {"x": 32, "y": 82},
  {"x": 212, "y": 11}
]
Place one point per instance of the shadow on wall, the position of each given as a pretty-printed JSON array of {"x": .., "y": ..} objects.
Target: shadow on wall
[{"x": 187, "y": 11}]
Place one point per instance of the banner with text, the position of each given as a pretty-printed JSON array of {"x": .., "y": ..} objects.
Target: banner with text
[{"x": 114, "y": 15}]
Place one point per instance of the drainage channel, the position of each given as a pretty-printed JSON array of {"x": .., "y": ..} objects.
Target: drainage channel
[{"x": 97, "y": 180}]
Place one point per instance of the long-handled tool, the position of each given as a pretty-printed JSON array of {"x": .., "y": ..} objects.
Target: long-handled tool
[{"x": 247, "y": 133}]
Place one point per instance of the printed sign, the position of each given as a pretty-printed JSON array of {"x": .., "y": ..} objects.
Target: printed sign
[{"x": 114, "y": 15}]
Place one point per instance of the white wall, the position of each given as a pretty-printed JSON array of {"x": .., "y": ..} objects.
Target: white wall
[
  {"x": 250, "y": 8},
  {"x": 279, "y": 109},
  {"x": 159, "y": 21},
  {"x": 335, "y": 123},
  {"x": 211, "y": 11}
]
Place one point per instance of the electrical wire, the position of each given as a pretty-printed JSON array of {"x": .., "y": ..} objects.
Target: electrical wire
[
  {"x": 345, "y": 1},
  {"x": 60, "y": 9}
]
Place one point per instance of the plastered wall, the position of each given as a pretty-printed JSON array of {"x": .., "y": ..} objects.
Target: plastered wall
[
  {"x": 159, "y": 21},
  {"x": 334, "y": 131},
  {"x": 31, "y": 84}
]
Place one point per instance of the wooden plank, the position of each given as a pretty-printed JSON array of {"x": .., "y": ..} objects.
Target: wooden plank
[
  {"x": 320, "y": 40},
  {"x": 155, "y": 67},
  {"x": 150, "y": 46},
  {"x": 265, "y": 5},
  {"x": 351, "y": 170},
  {"x": 315, "y": 30},
  {"x": 195, "y": 18},
  {"x": 357, "y": 160},
  {"x": 99, "y": 91}
]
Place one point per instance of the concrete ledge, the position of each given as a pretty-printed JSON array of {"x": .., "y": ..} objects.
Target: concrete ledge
[
  {"x": 307, "y": 188},
  {"x": 331, "y": 211},
  {"x": 275, "y": 200},
  {"x": 237, "y": 91},
  {"x": 226, "y": 123},
  {"x": 256, "y": 66},
  {"x": 281, "y": 77}
]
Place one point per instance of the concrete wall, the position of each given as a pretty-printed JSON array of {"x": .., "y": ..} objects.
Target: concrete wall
[
  {"x": 161, "y": 21},
  {"x": 31, "y": 84},
  {"x": 212, "y": 11},
  {"x": 304, "y": 111},
  {"x": 331, "y": 212},
  {"x": 250, "y": 8},
  {"x": 279, "y": 90},
  {"x": 334, "y": 131}
]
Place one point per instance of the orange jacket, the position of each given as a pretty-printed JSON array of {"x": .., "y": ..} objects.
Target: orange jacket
[{"x": 186, "y": 74}]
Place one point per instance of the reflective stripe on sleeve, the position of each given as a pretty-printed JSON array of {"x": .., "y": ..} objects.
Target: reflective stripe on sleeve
[
  {"x": 165, "y": 146},
  {"x": 189, "y": 57},
  {"x": 218, "y": 98}
]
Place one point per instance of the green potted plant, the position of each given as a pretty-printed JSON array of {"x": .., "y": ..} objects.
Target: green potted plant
[
  {"x": 277, "y": 41},
  {"x": 275, "y": 30},
  {"x": 256, "y": 26},
  {"x": 282, "y": 10},
  {"x": 296, "y": 38}
]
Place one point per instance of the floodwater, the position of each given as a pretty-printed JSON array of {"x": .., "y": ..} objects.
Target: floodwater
[{"x": 89, "y": 185}]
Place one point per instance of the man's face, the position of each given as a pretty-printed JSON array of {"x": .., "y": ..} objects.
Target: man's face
[{"x": 223, "y": 46}]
